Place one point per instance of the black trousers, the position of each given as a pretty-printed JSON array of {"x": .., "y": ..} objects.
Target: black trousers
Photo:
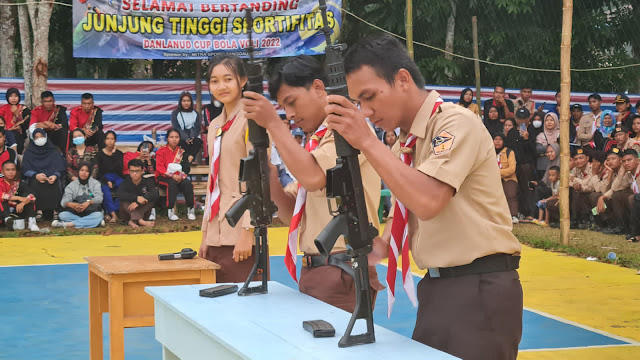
[
  {"x": 96, "y": 140},
  {"x": 47, "y": 195},
  {"x": 19, "y": 140},
  {"x": 28, "y": 211},
  {"x": 59, "y": 138},
  {"x": 173, "y": 188},
  {"x": 525, "y": 173},
  {"x": 191, "y": 149},
  {"x": 634, "y": 218}
]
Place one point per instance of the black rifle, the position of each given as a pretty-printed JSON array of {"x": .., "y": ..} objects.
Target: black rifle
[
  {"x": 254, "y": 173},
  {"x": 344, "y": 184}
]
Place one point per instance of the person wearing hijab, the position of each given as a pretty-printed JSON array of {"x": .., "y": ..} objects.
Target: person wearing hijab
[
  {"x": 542, "y": 189},
  {"x": 607, "y": 125},
  {"x": 188, "y": 122},
  {"x": 506, "y": 159},
  {"x": 492, "y": 121},
  {"x": 548, "y": 135},
  {"x": 43, "y": 165},
  {"x": 466, "y": 101},
  {"x": 16, "y": 117},
  {"x": 81, "y": 202}
]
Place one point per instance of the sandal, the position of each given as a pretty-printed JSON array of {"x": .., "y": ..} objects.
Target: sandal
[
  {"x": 633, "y": 238},
  {"x": 39, "y": 215}
]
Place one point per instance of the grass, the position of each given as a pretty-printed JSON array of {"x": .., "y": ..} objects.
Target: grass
[{"x": 582, "y": 243}]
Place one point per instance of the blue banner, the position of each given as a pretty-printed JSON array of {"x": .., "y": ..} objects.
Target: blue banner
[{"x": 159, "y": 29}]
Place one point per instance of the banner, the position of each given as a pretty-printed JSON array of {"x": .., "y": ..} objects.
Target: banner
[{"x": 199, "y": 29}]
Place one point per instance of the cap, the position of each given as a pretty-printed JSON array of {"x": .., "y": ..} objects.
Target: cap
[
  {"x": 621, "y": 98},
  {"x": 576, "y": 106},
  {"x": 614, "y": 151},
  {"x": 523, "y": 113},
  {"x": 577, "y": 151},
  {"x": 620, "y": 128},
  {"x": 297, "y": 132}
]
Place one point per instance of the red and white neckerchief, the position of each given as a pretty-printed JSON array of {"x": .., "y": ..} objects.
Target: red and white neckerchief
[
  {"x": 290, "y": 257},
  {"x": 214, "y": 188},
  {"x": 499, "y": 161},
  {"x": 400, "y": 235},
  {"x": 634, "y": 184}
]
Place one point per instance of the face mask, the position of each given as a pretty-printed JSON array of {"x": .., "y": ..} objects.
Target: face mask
[
  {"x": 537, "y": 124},
  {"x": 78, "y": 140},
  {"x": 40, "y": 141}
]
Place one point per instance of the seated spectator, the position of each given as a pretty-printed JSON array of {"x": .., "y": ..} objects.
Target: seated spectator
[
  {"x": 549, "y": 135},
  {"x": 524, "y": 101},
  {"x": 547, "y": 204},
  {"x": 606, "y": 129},
  {"x": 504, "y": 106},
  {"x": 110, "y": 175},
  {"x": 586, "y": 134},
  {"x": 506, "y": 159},
  {"x": 137, "y": 196},
  {"x": 53, "y": 119},
  {"x": 610, "y": 205},
  {"x": 171, "y": 176},
  {"x": 579, "y": 177},
  {"x": 144, "y": 153},
  {"x": 635, "y": 129},
  {"x": 597, "y": 182},
  {"x": 16, "y": 117},
  {"x": 541, "y": 189},
  {"x": 466, "y": 101},
  {"x": 79, "y": 153},
  {"x": 540, "y": 158},
  {"x": 88, "y": 118},
  {"x": 43, "y": 165},
  {"x": 631, "y": 165},
  {"x": 189, "y": 124},
  {"x": 16, "y": 199},
  {"x": 9, "y": 137},
  {"x": 6, "y": 153},
  {"x": 621, "y": 140},
  {"x": 492, "y": 122},
  {"x": 81, "y": 202},
  {"x": 595, "y": 100},
  {"x": 625, "y": 115}
]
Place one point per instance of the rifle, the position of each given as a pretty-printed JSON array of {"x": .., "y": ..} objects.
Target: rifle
[
  {"x": 344, "y": 184},
  {"x": 254, "y": 172}
]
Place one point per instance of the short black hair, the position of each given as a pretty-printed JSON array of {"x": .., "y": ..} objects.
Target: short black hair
[
  {"x": 298, "y": 71},
  {"x": 7, "y": 162},
  {"x": 526, "y": 87},
  {"x": 386, "y": 55},
  {"x": 46, "y": 94},
  {"x": 87, "y": 96},
  {"x": 556, "y": 168},
  {"x": 136, "y": 163},
  {"x": 115, "y": 136},
  {"x": 79, "y": 130},
  {"x": 172, "y": 130},
  {"x": 498, "y": 86},
  {"x": 631, "y": 152},
  {"x": 595, "y": 96}
]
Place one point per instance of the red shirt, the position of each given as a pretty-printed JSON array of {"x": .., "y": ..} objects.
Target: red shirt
[
  {"x": 5, "y": 112},
  {"x": 78, "y": 118},
  {"x": 40, "y": 115},
  {"x": 7, "y": 154},
  {"x": 164, "y": 157}
]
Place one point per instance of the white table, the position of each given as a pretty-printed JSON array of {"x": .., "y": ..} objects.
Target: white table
[{"x": 264, "y": 327}]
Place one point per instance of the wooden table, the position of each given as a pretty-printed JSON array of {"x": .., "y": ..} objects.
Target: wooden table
[
  {"x": 269, "y": 326},
  {"x": 116, "y": 286}
]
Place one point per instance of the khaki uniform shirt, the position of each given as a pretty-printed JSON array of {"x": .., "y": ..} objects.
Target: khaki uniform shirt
[
  {"x": 529, "y": 105},
  {"x": 316, "y": 213},
  {"x": 585, "y": 130},
  {"x": 619, "y": 182},
  {"x": 597, "y": 183},
  {"x": 581, "y": 177},
  {"x": 454, "y": 147},
  {"x": 594, "y": 118},
  {"x": 508, "y": 165},
  {"x": 234, "y": 146}
]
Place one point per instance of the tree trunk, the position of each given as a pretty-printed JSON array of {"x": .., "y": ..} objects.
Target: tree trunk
[
  {"x": 27, "y": 59},
  {"x": 140, "y": 69},
  {"x": 7, "y": 41},
  {"x": 451, "y": 27},
  {"x": 40, "y": 14}
]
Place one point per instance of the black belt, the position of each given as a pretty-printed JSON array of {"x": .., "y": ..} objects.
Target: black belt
[
  {"x": 341, "y": 260},
  {"x": 483, "y": 265}
]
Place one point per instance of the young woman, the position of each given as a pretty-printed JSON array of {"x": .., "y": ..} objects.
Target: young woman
[
  {"x": 493, "y": 124},
  {"x": 506, "y": 159},
  {"x": 44, "y": 165},
  {"x": 189, "y": 124},
  {"x": 466, "y": 100},
  {"x": 635, "y": 127},
  {"x": 171, "y": 174},
  {"x": 230, "y": 247},
  {"x": 548, "y": 135},
  {"x": 16, "y": 117},
  {"x": 79, "y": 153},
  {"x": 110, "y": 175},
  {"x": 81, "y": 202},
  {"x": 390, "y": 138}
]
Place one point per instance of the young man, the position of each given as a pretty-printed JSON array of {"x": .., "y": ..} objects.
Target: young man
[
  {"x": 631, "y": 165},
  {"x": 299, "y": 88},
  {"x": 6, "y": 153},
  {"x": 524, "y": 101},
  {"x": 621, "y": 140},
  {"x": 595, "y": 100},
  {"x": 615, "y": 192},
  {"x": 579, "y": 177},
  {"x": 623, "y": 107},
  {"x": 53, "y": 119},
  {"x": 471, "y": 272},
  {"x": 504, "y": 106},
  {"x": 137, "y": 196},
  {"x": 88, "y": 117},
  {"x": 597, "y": 184},
  {"x": 16, "y": 200}
]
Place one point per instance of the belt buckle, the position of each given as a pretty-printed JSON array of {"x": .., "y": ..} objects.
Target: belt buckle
[
  {"x": 306, "y": 261},
  {"x": 434, "y": 272}
]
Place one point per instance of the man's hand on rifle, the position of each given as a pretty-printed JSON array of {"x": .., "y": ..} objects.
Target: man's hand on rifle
[
  {"x": 243, "y": 247},
  {"x": 380, "y": 250},
  {"x": 259, "y": 109},
  {"x": 345, "y": 118}
]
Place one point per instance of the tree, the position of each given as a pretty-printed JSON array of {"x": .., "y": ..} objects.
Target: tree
[
  {"x": 7, "y": 41},
  {"x": 27, "y": 50},
  {"x": 40, "y": 16}
]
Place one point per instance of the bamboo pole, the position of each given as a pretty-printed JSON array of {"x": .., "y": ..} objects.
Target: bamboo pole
[
  {"x": 409, "y": 27},
  {"x": 565, "y": 99},
  {"x": 476, "y": 56},
  {"x": 198, "y": 86}
]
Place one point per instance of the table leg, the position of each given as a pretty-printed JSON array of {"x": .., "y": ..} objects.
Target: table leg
[
  {"x": 95, "y": 317},
  {"x": 207, "y": 276},
  {"x": 168, "y": 355},
  {"x": 116, "y": 320}
]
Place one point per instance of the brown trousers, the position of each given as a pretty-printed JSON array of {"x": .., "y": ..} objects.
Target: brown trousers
[
  {"x": 231, "y": 271},
  {"x": 332, "y": 285},
  {"x": 471, "y": 317},
  {"x": 580, "y": 204},
  {"x": 553, "y": 207},
  {"x": 142, "y": 212},
  {"x": 511, "y": 192},
  {"x": 621, "y": 205}
]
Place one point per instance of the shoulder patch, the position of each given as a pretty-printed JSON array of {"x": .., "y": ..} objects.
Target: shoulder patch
[{"x": 442, "y": 143}]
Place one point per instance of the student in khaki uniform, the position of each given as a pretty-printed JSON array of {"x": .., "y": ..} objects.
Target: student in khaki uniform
[
  {"x": 597, "y": 182},
  {"x": 615, "y": 195},
  {"x": 299, "y": 88},
  {"x": 472, "y": 264},
  {"x": 231, "y": 248},
  {"x": 631, "y": 164},
  {"x": 579, "y": 176}
]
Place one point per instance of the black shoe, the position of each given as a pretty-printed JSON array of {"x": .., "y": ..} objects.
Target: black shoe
[
  {"x": 614, "y": 231},
  {"x": 8, "y": 222},
  {"x": 554, "y": 225},
  {"x": 583, "y": 225}
]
